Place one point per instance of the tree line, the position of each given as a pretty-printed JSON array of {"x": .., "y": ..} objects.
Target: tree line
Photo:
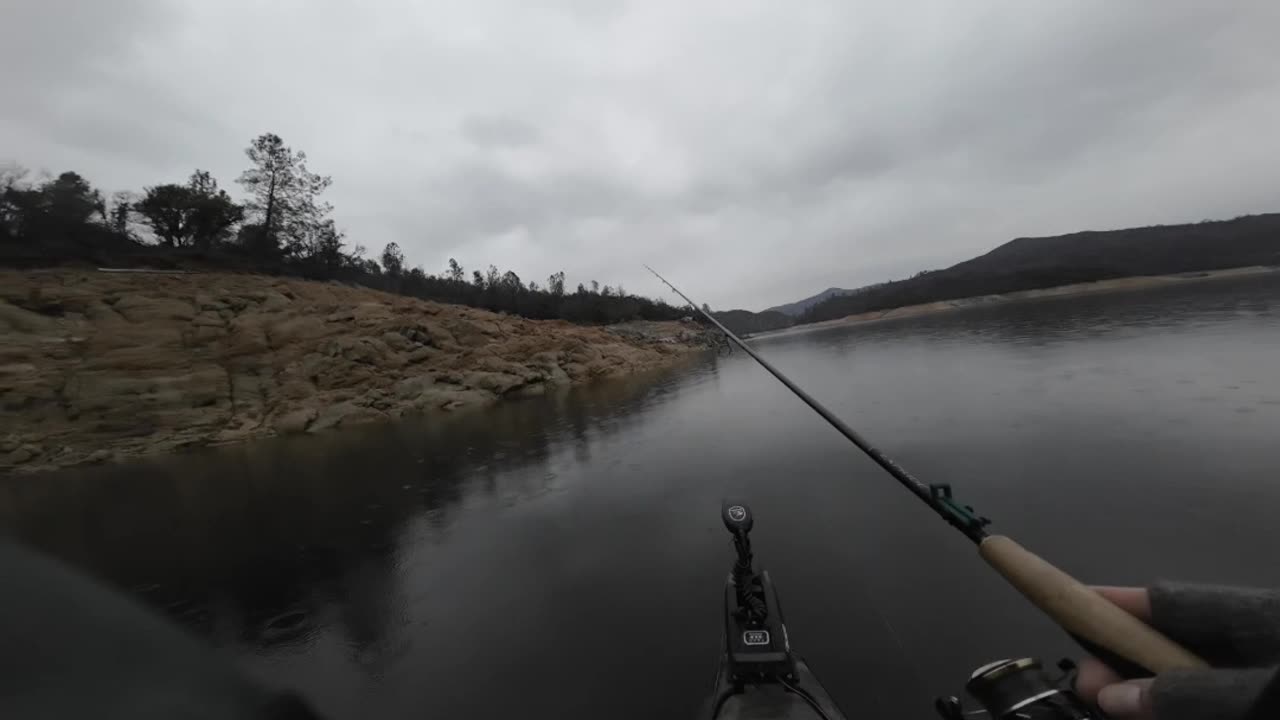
[{"x": 282, "y": 227}]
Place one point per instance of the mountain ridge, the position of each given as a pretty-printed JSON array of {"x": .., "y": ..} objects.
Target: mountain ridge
[
  {"x": 795, "y": 309},
  {"x": 1030, "y": 263},
  {"x": 745, "y": 322}
]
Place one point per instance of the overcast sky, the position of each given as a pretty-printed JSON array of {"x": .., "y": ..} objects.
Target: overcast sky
[{"x": 757, "y": 152}]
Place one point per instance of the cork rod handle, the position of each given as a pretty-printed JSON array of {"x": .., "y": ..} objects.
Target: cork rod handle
[{"x": 1081, "y": 610}]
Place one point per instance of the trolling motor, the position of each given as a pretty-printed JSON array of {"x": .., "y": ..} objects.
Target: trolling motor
[
  {"x": 759, "y": 675},
  {"x": 1021, "y": 689},
  {"x": 755, "y": 636}
]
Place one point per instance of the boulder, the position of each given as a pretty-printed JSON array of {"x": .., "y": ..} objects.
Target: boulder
[
  {"x": 143, "y": 309},
  {"x": 448, "y": 398},
  {"x": 411, "y": 388},
  {"x": 246, "y": 335},
  {"x": 206, "y": 301},
  {"x": 28, "y": 392},
  {"x": 424, "y": 334},
  {"x": 369, "y": 351},
  {"x": 552, "y": 373},
  {"x": 24, "y": 454},
  {"x": 371, "y": 313},
  {"x": 302, "y": 329},
  {"x": 100, "y": 312},
  {"x": 530, "y": 390},
  {"x": 335, "y": 373},
  {"x": 498, "y": 383},
  {"x": 494, "y": 364},
  {"x": 248, "y": 388},
  {"x": 100, "y": 391},
  {"x": 472, "y": 334},
  {"x": 598, "y": 368},
  {"x": 295, "y": 422},
  {"x": 398, "y": 342},
  {"x": 16, "y": 319},
  {"x": 133, "y": 359},
  {"x": 274, "y": 301},
  {"x": 208, "y": 319},
  {"x": 422, "y": 354},
  {"x": 204, "y": 335},
  {"x": 344, "y": 414},
  {"x": 294, "y": 387}
]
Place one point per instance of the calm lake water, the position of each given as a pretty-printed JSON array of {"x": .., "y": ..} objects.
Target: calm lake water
[{"x": 562, "y": 557}]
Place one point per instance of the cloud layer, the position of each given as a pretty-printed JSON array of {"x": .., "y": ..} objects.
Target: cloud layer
[{"x": 756, "y": 151}]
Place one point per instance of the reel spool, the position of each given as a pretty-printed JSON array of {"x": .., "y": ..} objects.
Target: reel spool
[{"x": 1020, "y": 690}]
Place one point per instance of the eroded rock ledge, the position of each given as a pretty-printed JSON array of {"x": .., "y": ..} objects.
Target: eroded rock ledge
[{"x": 102, "y": 366}]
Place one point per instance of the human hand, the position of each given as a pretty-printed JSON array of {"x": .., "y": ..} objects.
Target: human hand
[{"x": 1237, "y": 630}]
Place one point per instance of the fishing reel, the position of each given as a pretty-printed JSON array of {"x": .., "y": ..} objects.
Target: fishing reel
[{"x": 1021, "y": 689}]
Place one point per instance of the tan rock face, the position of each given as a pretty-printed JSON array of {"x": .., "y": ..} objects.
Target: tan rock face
[{"x": 97, "y": 367}]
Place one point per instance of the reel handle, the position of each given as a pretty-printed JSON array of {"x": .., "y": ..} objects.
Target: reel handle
[{"x": 1081, "y": 611}]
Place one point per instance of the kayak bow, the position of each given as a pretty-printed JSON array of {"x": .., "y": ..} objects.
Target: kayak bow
[{"x": 759, "y": 674}]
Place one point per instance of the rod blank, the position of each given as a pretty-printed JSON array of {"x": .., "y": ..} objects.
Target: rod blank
[{"x": 1071, "y": 604}]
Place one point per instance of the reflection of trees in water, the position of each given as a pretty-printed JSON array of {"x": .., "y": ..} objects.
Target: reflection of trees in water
[{"x": 260, "y": 544}]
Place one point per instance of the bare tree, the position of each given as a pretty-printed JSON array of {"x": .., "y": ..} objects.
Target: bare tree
[
  {"x": 456, "y": 273},
  {"x": 392, "y": 259},
  {"x": 284, "y": 194},
  {"x": 555, "y": 284}
]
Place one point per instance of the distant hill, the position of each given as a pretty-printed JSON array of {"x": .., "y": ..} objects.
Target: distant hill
[
  {"x": 796, "y": 308},
  {"x": 1032, "y": 263},
  {"x": 743, "y": 322}
]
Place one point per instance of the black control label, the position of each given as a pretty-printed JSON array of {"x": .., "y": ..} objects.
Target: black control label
[{"x": 755, "y": 637}]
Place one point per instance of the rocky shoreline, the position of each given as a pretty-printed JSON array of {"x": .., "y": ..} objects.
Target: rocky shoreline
[{"x": 97, "y": 367}]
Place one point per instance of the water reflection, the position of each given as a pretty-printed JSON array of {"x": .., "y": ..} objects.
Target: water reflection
[
  {"x": 1172, "y": 309},
  {"x": 263, "y": 545}
]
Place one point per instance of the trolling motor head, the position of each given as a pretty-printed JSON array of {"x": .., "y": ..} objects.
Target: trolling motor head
[
  {"x": 737, "y": 518},
  {"x": 738, "y": 521}
]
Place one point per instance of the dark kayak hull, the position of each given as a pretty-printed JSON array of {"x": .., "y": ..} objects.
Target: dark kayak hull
[{"x": 771, "y": 700}]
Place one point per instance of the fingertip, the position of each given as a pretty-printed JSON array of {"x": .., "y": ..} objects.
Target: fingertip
[
  {"x": 1091, "y": 676},
  {"x": 1134, "y": 600},
  {"x": 1127, "y": 700}
]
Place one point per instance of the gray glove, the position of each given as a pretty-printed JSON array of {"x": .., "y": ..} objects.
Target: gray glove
[{"x": 1237, "y": 630}]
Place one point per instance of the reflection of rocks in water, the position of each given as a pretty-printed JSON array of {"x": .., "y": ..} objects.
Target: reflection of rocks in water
[
  {"x": 367, "y": 596},
  {"x": 272, "y": 544}
]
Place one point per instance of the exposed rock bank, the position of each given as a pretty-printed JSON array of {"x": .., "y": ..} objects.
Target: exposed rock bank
[{"x": 101, "y": 366}]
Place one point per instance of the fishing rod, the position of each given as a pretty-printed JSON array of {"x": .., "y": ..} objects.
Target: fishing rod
[{"x": 1103, "y": 628}]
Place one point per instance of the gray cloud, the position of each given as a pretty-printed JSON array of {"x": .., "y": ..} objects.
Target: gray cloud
[
  {"x": 758, "y": 151},
  {"x": 498, "y": 131}
]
